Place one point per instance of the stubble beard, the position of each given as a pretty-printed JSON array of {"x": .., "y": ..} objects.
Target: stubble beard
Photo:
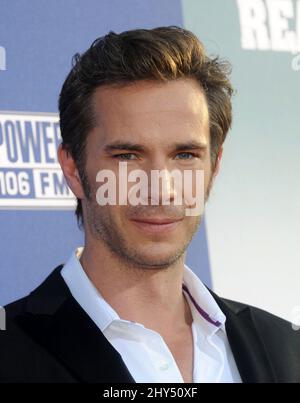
[{"x": 102, "y": 228}]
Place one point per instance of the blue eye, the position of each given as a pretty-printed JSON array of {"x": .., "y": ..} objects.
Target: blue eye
[
  {"x": 186, "y": 155},
  {"x": 126, "y": 156}
]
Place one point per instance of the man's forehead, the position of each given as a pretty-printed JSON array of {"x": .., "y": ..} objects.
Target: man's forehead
[
  {"x": 142, "y": 113},
  {"x": 184, "y": 95}
]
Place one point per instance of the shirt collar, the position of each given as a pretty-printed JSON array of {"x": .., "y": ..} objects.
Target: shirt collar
[
  {"x": 86, "y": 294},
  {"x": 205, "y": 310}
]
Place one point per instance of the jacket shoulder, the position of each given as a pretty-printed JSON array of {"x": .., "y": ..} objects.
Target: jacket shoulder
[
  {"x": 271, "y": 328},
  {"x": 22, "y": 358},
  {"x": 16, "y": 307}
]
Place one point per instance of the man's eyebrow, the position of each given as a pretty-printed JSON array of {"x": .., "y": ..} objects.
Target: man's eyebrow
[
  {"x": 129, "y": 146},
  {"x": 123, "y": 146},
  {"x": 190, "y": 145}
]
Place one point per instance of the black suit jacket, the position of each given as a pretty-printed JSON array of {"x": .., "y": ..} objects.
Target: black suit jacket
[{"x": 50, "y": 338}]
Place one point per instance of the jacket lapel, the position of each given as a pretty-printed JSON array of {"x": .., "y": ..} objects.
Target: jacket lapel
[
  {"x": 57, "y": 322},
  {"x": 248, "y": 349}
]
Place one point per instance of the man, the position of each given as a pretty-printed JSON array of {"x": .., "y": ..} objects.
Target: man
[{"x": 126, "y": 308}]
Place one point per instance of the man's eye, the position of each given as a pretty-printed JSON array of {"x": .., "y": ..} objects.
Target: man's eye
[
  {"x": 127, "y": 156},
  {"x": 186, "y": 156}
]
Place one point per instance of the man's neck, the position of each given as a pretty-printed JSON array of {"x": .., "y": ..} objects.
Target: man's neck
[{"x": 152, "y": 297}]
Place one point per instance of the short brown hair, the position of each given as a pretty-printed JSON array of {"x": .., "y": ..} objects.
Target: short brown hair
[{"x": 162, "y": 54}]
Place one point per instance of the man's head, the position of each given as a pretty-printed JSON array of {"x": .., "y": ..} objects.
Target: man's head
[{"x": 155, "y": 97}]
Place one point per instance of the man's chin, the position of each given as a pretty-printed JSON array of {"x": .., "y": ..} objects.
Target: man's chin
[
  {"x": 156, "y": 259},
  {"x": 153, "y": 264}
]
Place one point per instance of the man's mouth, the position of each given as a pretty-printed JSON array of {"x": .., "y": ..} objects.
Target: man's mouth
[{"x": 156, "y": 225}]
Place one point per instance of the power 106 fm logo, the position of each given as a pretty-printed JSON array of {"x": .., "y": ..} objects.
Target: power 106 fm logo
[{"x": 30, "y": 175}]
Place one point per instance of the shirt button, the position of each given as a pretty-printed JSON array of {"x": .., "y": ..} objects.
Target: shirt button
[{"x": 164, "y": 365}]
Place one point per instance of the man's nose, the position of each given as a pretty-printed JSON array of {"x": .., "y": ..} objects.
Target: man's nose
[{"x": 161, "y": 189}]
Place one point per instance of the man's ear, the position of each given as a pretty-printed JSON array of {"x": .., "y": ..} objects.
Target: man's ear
[
  {"x": 218, "y": 162},
  {"x": 70, "y": 171}
]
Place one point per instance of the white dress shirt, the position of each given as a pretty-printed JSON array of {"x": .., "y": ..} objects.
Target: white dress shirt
[{"x": 143, "y": 350}]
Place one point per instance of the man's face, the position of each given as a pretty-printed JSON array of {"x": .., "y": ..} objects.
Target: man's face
[{"x": 151, "y": 126}]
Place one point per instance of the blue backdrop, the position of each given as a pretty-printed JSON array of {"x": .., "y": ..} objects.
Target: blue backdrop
[{"x": 37, "y": 40}]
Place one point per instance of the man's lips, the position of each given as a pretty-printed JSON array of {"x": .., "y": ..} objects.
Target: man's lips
[
  {"x": 157, "y": 220},
  {"x": 156, "y": 225}
]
